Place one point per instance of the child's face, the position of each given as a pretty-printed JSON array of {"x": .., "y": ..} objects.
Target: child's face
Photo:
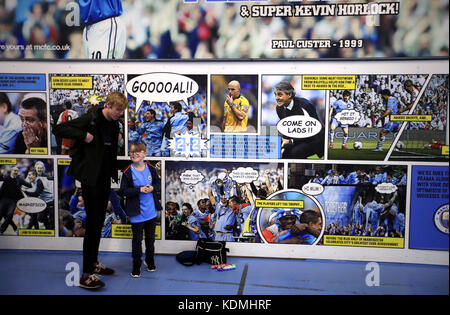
[{"x": 136, "y": 155}]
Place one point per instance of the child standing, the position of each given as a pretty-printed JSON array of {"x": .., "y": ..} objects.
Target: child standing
[{"x": 139, "y": 185}]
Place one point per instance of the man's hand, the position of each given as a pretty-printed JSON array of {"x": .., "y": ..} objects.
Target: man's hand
[
  {"x": 30, "y": 138},
  {"x": 88, "y": 138},
  {"x": 229, "y": 100}
]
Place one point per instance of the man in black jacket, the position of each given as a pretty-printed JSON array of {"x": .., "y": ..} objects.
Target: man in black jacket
[
  {"x": 290, "y": 105},
  {"x": 10, "y": 193},
  {"x": 94, "y": 163}
]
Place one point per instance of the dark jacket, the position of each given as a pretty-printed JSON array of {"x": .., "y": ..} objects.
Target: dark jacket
[
  {"x": 87, "y": 157},
  {"x": 315, "y": 143},
  {"x": 301, "y": 104},
  {"x": 11, "y": 187},
  {"x": 131, "y": 193}
]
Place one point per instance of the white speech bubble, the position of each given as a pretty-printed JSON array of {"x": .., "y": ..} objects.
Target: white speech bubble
[
  {"x": 191, "y": 177},
  {"x": 244, "y": 175},
  {"x": 386, "y": 188},
  {"x": 161, "y": 87},
  {"x": 348, "y": 117},
  {"x": 299, "y": 126},
  {"x": 31, "y": 205},
  {"x": 312, "y": 189}
]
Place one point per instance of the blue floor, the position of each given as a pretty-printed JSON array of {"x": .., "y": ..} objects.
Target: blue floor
[{"x": 44, "y": 272}]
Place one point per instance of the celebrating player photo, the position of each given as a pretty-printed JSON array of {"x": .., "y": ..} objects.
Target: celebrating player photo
[
  {"x": 27, "y": 205},
  {"x": 217, "y": 200}
]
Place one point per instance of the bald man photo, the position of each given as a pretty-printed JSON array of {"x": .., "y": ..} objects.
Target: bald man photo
[{"x": 236, "y": 108}]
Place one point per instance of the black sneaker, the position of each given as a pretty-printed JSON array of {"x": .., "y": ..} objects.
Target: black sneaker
[
  {"x": 150, "y": 267},
  {"x": 136, "y": 272},
  {"x": 91, "y": 282},
  {"x": 103, "y": 270}
]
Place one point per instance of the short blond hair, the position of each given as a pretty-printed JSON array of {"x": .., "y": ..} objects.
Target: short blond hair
[
  {"x": 138, "y": 146},
  {"x": 118, "y": 100}
]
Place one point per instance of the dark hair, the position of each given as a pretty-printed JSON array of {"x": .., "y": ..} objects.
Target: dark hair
[
  {"x": 286, "y": 87},
  {"x": 408, "y": 83},
  {"x": 68, "y": 104},
  {"x": 37, "y": 104},
  {"x": 189, "y": 206},
  {"x": 262, "y": 193},
  {"x": 309, "y": 216},
  {"x": 177, "y": 106},
  {"x": 386, "y": 92},
  {"x": 234, "y": 199},
  {"x": 347, "y": 93},
  {"x": 4, "y": 99}
]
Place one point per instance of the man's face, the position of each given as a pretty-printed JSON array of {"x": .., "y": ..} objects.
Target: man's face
[
  {"x": 39, "y": 168},
  {"x": 149, "y": 116},
  {"x": 3, "y": 113},
  {"x": 112, "y": 112},
  {"x": 224, "y": 200},
  {"x": 31, "y": 177},
  {"x": 317, "y": 225},
  {"x": 78, "y": 224},
  {"x": 30, "y": 120},
  {"x": 234, "y": 205},
  {"x": 80, "y": 201},
  {"x": 14, "y": 172},
  {"x": 287, "y": 221},
  {"x": 234, "y": 90},
  {"x": 346, "y": 98},
  {"x": 282, "y": 98}
]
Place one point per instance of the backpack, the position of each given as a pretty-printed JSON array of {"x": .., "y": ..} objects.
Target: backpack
[{"x": 211, "y": 252}]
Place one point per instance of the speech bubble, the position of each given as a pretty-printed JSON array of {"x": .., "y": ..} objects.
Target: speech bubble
[
  {"x": 244, "y": 175},
  {"x": 299, "y": 126},
  {"x": 386, "y": 188},
  {"x": 312, "y": 189},
  {"x": 31, "y": 205},
  {"x": 191, "y": 177},
  {"x": 161, "y": 87},
  {"x": 348, "y": 117}
]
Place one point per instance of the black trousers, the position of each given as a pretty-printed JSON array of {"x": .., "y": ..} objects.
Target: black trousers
[
  {"x": 7, "y": 207},
  {"x": 95, "y": 202},
  {"x": 146, "y": 228},
  {"x": 303, "y": 150}
]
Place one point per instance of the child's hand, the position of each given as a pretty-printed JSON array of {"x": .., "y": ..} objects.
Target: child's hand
[{"x": 146, "y": 189}]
